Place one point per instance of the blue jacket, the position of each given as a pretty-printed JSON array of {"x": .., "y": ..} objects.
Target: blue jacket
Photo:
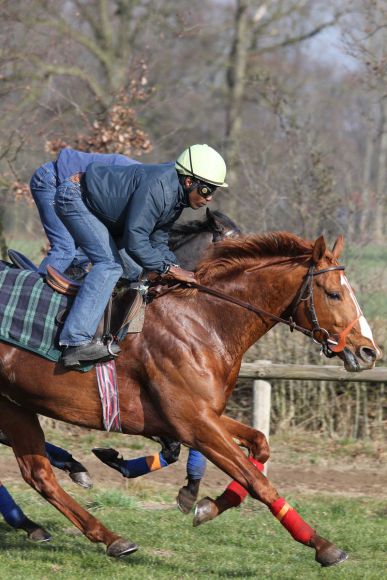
[
  {"x": 71, "y": 161},
  {"x": 139, "y": 203}
]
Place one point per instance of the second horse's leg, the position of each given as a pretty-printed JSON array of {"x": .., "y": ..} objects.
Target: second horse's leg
[
  {"x": 188, "y": 494},
  {"x": 16, "y": 518},
  {"x": 62, "y": 459},
  {"x": 139, "y": 466}
]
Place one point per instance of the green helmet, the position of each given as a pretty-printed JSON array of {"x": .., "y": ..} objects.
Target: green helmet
[{"x": 204, "y": 163}]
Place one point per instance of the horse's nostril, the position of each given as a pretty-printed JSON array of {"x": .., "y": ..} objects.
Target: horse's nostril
[{"x": 367, "y": 354}]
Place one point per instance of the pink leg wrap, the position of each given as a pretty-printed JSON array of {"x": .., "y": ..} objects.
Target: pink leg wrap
[
  {"x": 234, "y": 493},
  {"x": 292, "y": 521}
]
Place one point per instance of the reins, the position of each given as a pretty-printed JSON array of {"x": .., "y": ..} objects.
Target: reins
[
  {"x": 330, "y": 346},
  {"x": 289, "y": 322}
]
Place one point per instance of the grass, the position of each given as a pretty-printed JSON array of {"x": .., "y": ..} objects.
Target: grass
[{"x": 244, "y": 543}]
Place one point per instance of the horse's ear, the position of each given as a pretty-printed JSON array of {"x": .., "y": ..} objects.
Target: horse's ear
[
  {"x": 319, "y": 249},
  {"x": 210, "y": 215},
  {"x": 338, "y": 247}
]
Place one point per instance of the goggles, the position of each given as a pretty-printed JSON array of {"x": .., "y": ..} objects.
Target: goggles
[{"x": 206, "y": 190}]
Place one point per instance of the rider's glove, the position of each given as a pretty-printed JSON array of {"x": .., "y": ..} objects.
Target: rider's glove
[{"x": 174, "y": 272}]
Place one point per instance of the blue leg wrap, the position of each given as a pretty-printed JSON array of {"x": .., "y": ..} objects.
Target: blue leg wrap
[
  {"x": 136, "y": 467},
  {"x": 9, "y": 509},
  {"x": 57, "y": 456},
  {"x": 196, "y": 465}
]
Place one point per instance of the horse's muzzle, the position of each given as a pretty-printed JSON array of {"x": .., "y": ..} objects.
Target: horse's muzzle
[
  {"x": 351, "y": 362},
  {"x": 364, "y": 359},
  {"x": 368, "y": 355}
]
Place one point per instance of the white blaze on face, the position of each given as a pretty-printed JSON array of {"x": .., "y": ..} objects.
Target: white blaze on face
[{"x": 364, "y": 326}]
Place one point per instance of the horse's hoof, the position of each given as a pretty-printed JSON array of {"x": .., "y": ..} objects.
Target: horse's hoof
[
  {"x": 205, "y": 511},
  {"x": 327, "y": 554},
  {"x": 82, "y": 478},
  {"x": 35, "y": 532},
  {"x": 331, "y": 556},
  {"x": 111, "y": 458},
  {"x": 187, "y": 497},
  {"x": 39, "y": 535},
  {"x": 120, "y": 548}
]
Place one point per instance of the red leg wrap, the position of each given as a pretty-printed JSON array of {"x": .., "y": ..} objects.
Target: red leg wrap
[
  {"x": 235, "y": 494},
  {"x": 292, "y": 521}
]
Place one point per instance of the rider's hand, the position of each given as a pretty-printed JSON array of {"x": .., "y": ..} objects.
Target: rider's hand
[
  {"x": 153, "y": 277},
  {"x": 179, "y": 274}
]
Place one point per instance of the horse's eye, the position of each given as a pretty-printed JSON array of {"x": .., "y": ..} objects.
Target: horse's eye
[{"x": 334, "y": 295}]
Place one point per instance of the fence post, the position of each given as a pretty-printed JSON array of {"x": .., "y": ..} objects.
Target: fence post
[{"x": 261, "y": 409}]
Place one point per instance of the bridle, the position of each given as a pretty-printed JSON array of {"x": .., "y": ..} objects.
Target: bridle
[
  {"x": 219, "y": 235},
  {"x": 328, "y": 343},
  {"x": 331, "y": 345}
]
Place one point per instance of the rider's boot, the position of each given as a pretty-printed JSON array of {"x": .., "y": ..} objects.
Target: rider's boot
[{"x": 95, "y": 351}]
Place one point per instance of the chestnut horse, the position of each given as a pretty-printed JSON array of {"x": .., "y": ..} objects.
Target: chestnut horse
[{"x": 175, "y": 377}]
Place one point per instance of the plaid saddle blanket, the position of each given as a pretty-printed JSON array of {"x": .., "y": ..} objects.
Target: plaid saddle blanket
[{"x": 28, "y": 310}]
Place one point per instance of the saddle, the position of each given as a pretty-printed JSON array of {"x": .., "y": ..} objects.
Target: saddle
[
  {"x": 61, "y": 283},
  {"x": 123, "y": 314},
  {"x": 20, "y": 261}
]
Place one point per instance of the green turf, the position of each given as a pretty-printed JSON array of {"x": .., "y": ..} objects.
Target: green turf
[{"x": 243, "y": 543}]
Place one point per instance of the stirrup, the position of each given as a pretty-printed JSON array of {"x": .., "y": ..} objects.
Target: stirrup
[{"x": 75, "y": 356}]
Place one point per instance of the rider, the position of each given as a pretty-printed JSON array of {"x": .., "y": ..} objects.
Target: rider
[
  {"x": 63, "y": 255},
  {"x": 137, "y": 204}
]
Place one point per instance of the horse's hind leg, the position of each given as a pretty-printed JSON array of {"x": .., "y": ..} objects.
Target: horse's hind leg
[{"x": 27, "y": 441}]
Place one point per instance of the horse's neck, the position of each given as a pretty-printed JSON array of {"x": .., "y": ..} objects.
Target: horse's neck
[{"x": 270, "y": 290}]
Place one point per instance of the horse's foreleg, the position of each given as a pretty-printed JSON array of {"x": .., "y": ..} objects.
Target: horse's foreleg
[
  {"x": 208, "y": 509},
  {"x": 217, "y": 444},
  {"x": 254, "y": 440},
  {"x": 257, "y": 444},
  {"x": 27, "y": 440}
]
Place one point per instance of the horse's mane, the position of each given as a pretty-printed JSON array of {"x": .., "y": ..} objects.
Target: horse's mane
[{"x": 246, "y": 249}]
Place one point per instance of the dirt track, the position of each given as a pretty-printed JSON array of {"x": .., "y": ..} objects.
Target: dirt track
[{"x": 359, "y": 477}]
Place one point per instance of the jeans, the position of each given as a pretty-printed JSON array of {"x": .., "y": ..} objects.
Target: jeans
[
  {"x": 93, "y": 237},
  {"x": 63, "y": 252}
]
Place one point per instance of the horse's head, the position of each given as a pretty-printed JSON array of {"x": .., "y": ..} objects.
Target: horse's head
[
  {"x": 221, "y": 225},
  {"x": 329, "y": 307},
  {"x": 189, "y": 240}
]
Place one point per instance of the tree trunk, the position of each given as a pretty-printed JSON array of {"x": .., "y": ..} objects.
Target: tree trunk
[
  {"x": 378, "y": 224},
  {"x": 236, "y": 81}
]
